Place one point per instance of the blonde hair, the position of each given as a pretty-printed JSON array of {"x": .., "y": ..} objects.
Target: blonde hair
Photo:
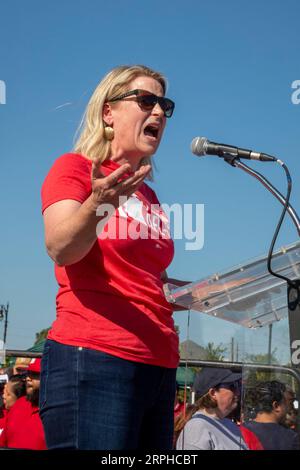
[{"x": 91, "y": 141}]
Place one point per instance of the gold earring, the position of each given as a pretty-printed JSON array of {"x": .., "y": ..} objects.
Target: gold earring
[{"x": 109, "y": 133}]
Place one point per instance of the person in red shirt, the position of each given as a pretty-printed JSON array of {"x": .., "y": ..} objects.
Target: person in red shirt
[
  {"x": 23, "y": 428},
  {"x": 109, "y": 363},
  {"x": 13, "y": 390}
]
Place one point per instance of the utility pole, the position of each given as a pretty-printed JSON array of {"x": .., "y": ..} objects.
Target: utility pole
[
  {"x": 4, "y": 315},
  {"x": 232, "y": 349},
  {"x": 270, "y": 343}
]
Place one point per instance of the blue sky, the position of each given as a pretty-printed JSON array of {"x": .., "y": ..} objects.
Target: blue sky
[{"x": 230, "y": 66}]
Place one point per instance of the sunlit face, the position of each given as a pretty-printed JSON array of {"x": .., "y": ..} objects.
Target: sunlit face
[
  {"x": 227, "y": 400},
  {"x": 32, "y": 383},
  {"x": 9, "y": 398},
  {"x": 132, "y": 141},
  {"x": 290, "y": 398},
  {"x": 281, "y": 408}
]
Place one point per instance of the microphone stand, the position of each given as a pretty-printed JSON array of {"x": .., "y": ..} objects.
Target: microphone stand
[{"x": 293, "y": 287}]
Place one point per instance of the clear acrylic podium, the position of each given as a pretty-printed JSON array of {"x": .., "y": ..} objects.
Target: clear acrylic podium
[
  {"x": 246, "y": 294},
  {"x": 250, "y": 299}
]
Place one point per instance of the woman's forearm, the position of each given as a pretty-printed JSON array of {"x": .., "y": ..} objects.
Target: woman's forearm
[
  {"x": 71, "y": 239},
  {"x": 71, "y": 227}
]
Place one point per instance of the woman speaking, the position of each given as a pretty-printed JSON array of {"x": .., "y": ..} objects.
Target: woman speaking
[{"x": 109, "y": 363}]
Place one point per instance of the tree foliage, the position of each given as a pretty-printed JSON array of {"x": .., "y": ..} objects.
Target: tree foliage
[
  {"x": 262, "y": 358},
  {"x": 41, "y": 335},
  {"x": 215, "y": 353}
]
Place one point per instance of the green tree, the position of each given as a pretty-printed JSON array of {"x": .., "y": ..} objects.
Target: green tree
[
  {"x": 254, "y": 376},
  {"x": 262, "y": 358},
  {"x": 41, "y": 335},
  {"x": 215, "y": 353}
]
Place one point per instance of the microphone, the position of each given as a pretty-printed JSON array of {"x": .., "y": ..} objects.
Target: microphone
[{"x": 201, "y": 146}]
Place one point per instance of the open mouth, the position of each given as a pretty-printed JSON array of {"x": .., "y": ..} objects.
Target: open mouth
[{"x": 151, "y": 131}]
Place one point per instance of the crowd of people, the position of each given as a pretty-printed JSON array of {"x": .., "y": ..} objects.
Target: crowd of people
[
  {"x": 219, "y": 419},
  {"x": 263, "y": 417},
  {"x": 20, "y": 424}
]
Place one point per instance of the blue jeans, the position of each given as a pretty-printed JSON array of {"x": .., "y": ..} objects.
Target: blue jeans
[{"x": 92, "y": 400}]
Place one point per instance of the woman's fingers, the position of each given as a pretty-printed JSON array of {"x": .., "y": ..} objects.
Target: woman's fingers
[
  {"x": 134, "y": 180},
  {"x": 107, "y": 189},
  {"x": 114, "y": 180},
  {"x": 128, "y": 190},
  {"x": 111, "y": 179}
]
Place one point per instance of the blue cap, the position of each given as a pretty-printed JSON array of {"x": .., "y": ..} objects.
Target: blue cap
[{"x": 210, "y": 377}]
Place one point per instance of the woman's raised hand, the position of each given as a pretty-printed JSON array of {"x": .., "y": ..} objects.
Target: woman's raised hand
[{"x": 108, "y": 189}]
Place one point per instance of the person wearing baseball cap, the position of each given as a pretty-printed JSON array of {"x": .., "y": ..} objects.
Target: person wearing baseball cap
[
  {"x": 34, "y": 365},
  {"x": 21, "y": 365},
  {"x": 23, "y": 427},
  {"x": 217, "y": 392},
  {"x": 33, "y": 378}
]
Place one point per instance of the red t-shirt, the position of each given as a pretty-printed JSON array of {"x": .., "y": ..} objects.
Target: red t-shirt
[
  {"x": 3, "y": 420},
  {"x": 112, "y": 300},
  {"x": 23, "y": 427}
]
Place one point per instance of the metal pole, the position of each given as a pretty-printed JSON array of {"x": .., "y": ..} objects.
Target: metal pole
[
  {"x": 4, "y": 314},
  {"x": 270, "y": 343},
  {"x": 6, "y": 323},
  {"x": 232, "y": 349}
]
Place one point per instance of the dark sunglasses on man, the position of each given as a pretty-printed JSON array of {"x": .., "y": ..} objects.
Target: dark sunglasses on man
[
  {"x": 147, "y": 101},
  {"x": 33, "y": 375}
]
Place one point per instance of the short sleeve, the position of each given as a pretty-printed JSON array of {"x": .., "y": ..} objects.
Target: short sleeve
[{"x": 68, "y": 178}]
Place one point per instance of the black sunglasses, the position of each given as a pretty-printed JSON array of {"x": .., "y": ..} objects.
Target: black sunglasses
[
  {"x": 147, "y": 101},
  {"x": 33, "y": 375}
]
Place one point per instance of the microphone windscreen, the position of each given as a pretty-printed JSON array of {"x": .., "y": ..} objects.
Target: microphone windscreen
[{"x": 199, "y": 146}]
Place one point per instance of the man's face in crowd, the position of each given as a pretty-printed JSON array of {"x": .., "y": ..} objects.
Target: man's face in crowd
[{"x": 33, "y": 387}]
